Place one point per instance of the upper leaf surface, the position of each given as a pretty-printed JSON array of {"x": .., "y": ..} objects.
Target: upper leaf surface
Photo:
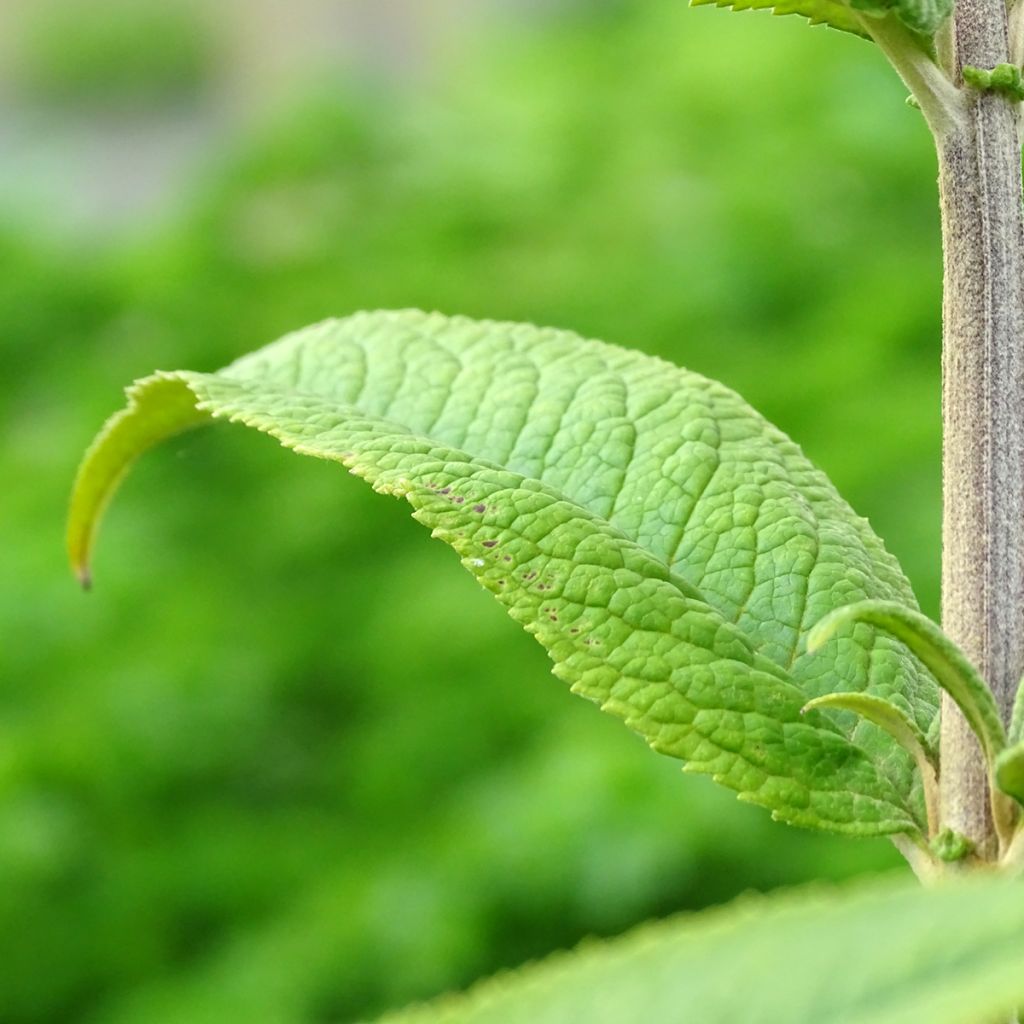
[
  {"x": 666, "y": 545},
  {"x": 875, "y": 955}
]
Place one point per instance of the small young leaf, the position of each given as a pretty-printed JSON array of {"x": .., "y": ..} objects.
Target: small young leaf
[
  {"x": 885, "y": 715},
  {"x": 661, "y": 540},
  {"x": 874, "y": 954},
  {"x": 905, "y": 732},
  {"x": 950, "y": 666}
]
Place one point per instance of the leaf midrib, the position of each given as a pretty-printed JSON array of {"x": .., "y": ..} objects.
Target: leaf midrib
[{"x": 537, "y": 465}]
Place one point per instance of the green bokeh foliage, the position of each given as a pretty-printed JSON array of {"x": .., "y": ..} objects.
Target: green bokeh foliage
[
  {"x": 120, "y": 53},
  {"x": 205, "y": 814}
]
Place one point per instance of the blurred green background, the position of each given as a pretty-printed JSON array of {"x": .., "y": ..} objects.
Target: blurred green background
[{"x": 286, "y": 765}]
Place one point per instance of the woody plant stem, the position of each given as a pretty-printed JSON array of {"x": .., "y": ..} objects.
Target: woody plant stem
[{"x": 977, "y": 139}]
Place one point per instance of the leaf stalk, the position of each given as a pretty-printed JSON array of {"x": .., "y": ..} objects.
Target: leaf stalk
[{"x": 943, "y": 105}]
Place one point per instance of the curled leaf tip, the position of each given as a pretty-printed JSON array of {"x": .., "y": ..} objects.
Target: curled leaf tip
[{"x": 84, "y": 575}]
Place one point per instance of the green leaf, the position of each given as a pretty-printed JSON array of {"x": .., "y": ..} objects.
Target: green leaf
[
  {"x": 834, "y": 13},
  {"x": 950, "y": 666},
  {"x": 664, "y": 543},
  {"x": 922, "y": 17},
  {"x": 877, "y": 954}
]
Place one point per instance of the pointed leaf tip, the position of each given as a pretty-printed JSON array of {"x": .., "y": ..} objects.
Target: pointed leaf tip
[{"x": 159, "y": 407}]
